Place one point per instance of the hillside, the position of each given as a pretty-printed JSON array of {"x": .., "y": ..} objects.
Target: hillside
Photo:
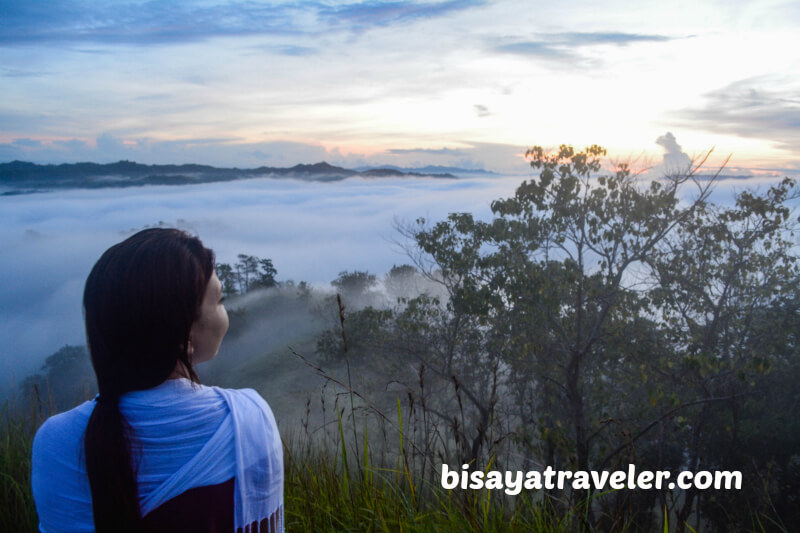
[{"x": 20, "y": 177}]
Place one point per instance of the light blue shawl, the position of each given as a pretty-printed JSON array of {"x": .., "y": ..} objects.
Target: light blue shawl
[{"x": 184, "y": 436}]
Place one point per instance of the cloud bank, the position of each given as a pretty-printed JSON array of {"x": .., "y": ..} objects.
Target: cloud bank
[{"x": 311, "y": 232}]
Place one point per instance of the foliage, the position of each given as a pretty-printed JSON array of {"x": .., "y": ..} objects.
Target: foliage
[
  {"x": 65, "y": 379},
  {"x": 598, "y": 319},
  {"x": 249, "y": 273},
  {"x": 354, "y": 284},
  {"x": 17, "y": 511}
]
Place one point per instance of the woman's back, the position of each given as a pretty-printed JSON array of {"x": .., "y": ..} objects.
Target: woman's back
[
  {"x": 183, "y": 437},
  {"x": 153, "y": 311}
]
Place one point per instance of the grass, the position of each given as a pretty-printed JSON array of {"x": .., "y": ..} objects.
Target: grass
[
  {"x": 17, "y": 511},
  {"x": 326, "y": 489},
  {"x": 321, "y": 494},
  {"x": 324, "y": 492},
  {"x": 331, "y": 487}
]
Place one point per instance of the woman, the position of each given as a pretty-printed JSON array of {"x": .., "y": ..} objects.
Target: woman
[{"x": 157, "y": 451}]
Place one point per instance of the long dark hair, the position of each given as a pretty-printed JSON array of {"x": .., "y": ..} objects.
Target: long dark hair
[{"x": 140, "y": 301}]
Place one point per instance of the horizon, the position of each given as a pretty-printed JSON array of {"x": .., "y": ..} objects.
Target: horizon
[
  {"x": 317, "y": 163},
  {"x": 380, "y": 83},
  {"x": 674, "y": 159}
]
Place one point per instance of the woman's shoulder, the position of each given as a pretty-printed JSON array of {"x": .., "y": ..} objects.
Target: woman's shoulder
[
  {"x": 241, "y": 397},
  {"x": 251, "y": 413},
  {"x": 247, "y": 401},
  {"x": 58, "y": 475},
  {"x": 63, "y": 429}
]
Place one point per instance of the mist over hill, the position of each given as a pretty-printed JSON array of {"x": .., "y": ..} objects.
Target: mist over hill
[{"x": 20, "y": 177}]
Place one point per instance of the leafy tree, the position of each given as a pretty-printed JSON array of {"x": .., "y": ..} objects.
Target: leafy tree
[
  {"x": 363, "y": 336},
  {"x": 401, "y": 281},
  {"x": 600, "y": 319},
  {"x": 65, "y": 379},
  {"x": 559, "y": 256},
  {"x": 247, "y": 271},
  {"x": 720, "y": 276},
  {"x": 355, "y": 283},
  {"x": 265, "y": 276}
]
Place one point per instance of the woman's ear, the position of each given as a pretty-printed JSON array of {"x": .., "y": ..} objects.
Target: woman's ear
[{"x": 189, "y": 348}]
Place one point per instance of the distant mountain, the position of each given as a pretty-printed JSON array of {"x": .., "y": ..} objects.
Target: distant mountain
[
  {"x": 430, "y": 170},
  {"x": 20, "y": 177}
]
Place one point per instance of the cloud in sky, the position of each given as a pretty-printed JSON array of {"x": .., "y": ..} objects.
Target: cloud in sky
[
  {"x": 382, "y": 13},
  {"x": 596, "y": 38},
  {"x": 675, "y": 160},
  {"x": 297, "y": 51},
  {"x": 174, "y": 22},
  {"x": 481, "y": 110},
  {"x": 142, "y": 23},
  {"x": 371, "y": 76},
  {"x": 459, "y": 152},
  {"x": 760, "y": 108},
  {"x": 13, "y": 72},
  {"x": 565, "y": 46}
]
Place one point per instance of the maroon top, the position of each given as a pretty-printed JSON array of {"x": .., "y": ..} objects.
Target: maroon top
[{"x": 206, "y": 509}]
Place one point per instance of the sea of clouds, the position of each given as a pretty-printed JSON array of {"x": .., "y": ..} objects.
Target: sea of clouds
[{"x": 311, "y": 231}]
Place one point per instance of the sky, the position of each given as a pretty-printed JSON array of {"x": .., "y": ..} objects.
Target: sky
[{"x": 466, "y": 83}]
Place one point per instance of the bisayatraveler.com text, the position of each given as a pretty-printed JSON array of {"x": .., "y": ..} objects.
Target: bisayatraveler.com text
[{"x": 515, "y": 481}]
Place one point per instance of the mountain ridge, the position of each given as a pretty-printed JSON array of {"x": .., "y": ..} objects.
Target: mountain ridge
[{"x": 24, "y": 177}]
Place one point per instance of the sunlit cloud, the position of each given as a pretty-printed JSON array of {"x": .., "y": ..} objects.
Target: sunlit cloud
[
  {"x": 366, "y": 78},
  {"x": 761, "y": 108},
  {"x": 676, "y": 161}
]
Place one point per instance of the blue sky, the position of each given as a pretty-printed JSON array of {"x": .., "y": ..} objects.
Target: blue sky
[{"x": 467, "y": 83}]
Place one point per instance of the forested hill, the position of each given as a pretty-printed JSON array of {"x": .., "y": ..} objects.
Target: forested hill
[{"x": 22, "y": 177}]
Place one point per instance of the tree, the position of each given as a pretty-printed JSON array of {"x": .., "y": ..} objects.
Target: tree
[
  {"x": 719, "y": 277},
  {"x": 247, "y": 271},
  {"x": 554, "y": 276},
  {"x": 600, "y": 319},
  {"x": 401, "y": 281},
  {"x": 356, "y": 283},
  {"x": 265, "y": 277},
  {"x": 563, "y": 252},
  {"x": 65, "y": 379}
]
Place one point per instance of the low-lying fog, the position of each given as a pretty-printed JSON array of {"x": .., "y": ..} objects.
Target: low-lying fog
[{"x": 311, "y": 231}]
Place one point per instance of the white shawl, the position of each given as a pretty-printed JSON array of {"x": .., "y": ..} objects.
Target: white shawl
[{"x": 185, "y": 436}]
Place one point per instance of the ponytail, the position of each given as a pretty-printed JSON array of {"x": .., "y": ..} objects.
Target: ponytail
[
  {"x": 115, "y": 499},
  {"x": 140, "y": 301}
]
